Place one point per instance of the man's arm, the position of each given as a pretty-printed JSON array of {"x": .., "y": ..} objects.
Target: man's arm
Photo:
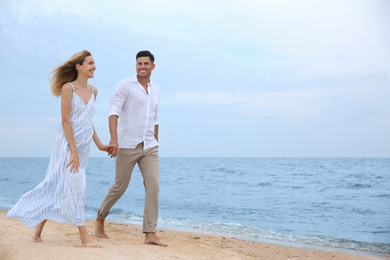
[
  {"x": 113, "y": 126},
  {"x": 116, "y": 104},
  {"x": 156, "y": 132}
]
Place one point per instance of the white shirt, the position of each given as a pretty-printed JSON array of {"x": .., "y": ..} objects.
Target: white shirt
[{"x": 137, "y": 112}]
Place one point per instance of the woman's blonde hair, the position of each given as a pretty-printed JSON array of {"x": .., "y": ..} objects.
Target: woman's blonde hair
[{"x": 66, "y": 72}]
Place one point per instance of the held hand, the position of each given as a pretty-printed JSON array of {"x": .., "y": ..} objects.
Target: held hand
[
  {"x": 113, "y": 151},
  {"x": 74, "y": 162},
  {"x": 107, "y": 148}
]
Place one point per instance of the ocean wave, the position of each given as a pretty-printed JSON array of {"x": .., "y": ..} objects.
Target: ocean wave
[{"x": 270, "y": 236}]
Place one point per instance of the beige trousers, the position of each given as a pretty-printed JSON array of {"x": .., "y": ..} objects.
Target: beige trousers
[{"x": 148, "y": 163}]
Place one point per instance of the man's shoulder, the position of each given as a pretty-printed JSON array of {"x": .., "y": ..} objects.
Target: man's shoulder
[
  {"x": 128, "y": 80},
  {"x": 126, "y": 83}
]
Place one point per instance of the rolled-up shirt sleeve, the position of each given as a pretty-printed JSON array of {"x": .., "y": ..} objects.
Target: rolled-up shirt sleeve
[{"x": 118, "y": 99}]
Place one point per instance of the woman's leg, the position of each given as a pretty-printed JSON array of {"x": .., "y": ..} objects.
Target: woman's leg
[
  {"x": 38, "y": 231},
  {"x": 86, "y": 239}
]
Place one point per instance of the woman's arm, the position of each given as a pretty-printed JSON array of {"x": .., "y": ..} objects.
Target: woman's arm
[
  {"x": 95, "y": 137},
  {"x": 100, "y": 146},
  {"x": 66, "y": 96}
]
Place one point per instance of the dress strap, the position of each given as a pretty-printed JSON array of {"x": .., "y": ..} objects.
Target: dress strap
[
  {"x": 71, "y": 85},
  {"x": 91, "y": 89}
]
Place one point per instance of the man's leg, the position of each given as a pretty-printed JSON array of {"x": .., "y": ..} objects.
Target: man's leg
[
  {"x": 124, "y": 165},
  {"x": 150, "y": 168}
]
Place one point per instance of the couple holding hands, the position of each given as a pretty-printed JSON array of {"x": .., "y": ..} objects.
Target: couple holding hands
[{"x": 133, "y": 124}]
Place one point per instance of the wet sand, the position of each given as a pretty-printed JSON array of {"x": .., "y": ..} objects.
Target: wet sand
[{"x": 61, "y": 241}]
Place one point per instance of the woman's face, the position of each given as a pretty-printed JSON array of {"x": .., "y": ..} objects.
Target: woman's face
[{"x": 88, "y": 67}]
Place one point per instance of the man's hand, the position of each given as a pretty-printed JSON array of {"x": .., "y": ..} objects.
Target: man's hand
[{"x": 113, "y": 150}]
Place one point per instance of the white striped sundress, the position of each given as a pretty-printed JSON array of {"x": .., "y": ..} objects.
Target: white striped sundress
[{"x": 61, "y": 195}]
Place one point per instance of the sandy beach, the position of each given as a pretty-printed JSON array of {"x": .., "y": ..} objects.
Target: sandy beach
[{"x": 61, "y": 241}]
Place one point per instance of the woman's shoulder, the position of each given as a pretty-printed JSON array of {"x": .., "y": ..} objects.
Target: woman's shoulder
[
  {"x": 94, "y": 90},
  {"x": 66, "y": 91},
  {"x": 67, "y": 86}
]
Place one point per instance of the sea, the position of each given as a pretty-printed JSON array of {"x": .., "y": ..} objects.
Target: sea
[{"x": 331, "y": 204}]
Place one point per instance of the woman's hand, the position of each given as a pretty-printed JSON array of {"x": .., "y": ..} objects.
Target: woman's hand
[
  {"x": 108, "y": 148},
  {"x": 74, "y": 162}
]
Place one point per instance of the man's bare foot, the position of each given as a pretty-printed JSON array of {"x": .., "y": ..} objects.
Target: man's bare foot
[
  {"x": 38, "y": 231},
  {"x": 99, "y": 228},
  {"x": 152, "y": 239}
]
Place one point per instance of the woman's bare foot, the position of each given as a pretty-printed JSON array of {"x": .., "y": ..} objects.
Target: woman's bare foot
[
  {"x": 38, "y": 231},
  {"x": 151, "y": 238},
  {"x": 99, "y": 228},
  {"x": 90, "y": 243},
  {"x": 86, "y": 239}
]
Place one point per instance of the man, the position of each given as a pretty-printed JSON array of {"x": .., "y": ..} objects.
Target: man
[{"x": 135, "y": 103}]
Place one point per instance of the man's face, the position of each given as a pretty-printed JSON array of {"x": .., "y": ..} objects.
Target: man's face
[{"x": 144, "y": 67}]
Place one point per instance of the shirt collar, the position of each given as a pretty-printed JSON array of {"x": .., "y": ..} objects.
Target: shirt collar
[{"x": 135, "y": 80}]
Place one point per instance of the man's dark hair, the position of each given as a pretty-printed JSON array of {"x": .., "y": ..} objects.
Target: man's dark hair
[{"x": 145, "y": 54}]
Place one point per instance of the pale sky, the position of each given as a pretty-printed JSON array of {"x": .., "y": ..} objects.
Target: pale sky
[{"x": 276, "y": 78}]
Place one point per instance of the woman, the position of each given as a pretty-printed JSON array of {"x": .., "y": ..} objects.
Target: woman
[{"x": 61, "y": 195}]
